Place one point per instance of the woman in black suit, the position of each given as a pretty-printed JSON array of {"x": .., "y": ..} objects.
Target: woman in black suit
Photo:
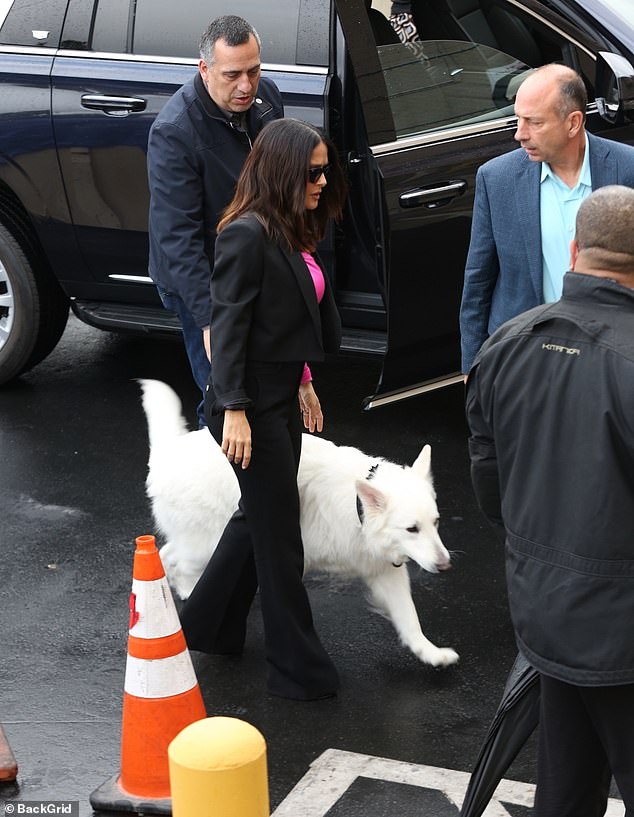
[{"x": 272, "y": 310}]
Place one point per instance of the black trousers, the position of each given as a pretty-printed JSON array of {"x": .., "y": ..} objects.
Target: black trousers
[
  {"x": 586, "y": 735},
  {"x": 262, "y": 545}
]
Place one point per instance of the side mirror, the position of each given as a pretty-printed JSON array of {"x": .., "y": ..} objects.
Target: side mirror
[{"x": 614, "y": 89}]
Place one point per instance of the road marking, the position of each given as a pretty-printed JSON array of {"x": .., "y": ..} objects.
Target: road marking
[{"x": 333, "y": 772}]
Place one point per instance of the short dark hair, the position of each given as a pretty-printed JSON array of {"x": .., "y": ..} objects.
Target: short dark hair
[
  {"x": 230, "y": 28},
  {"x": 605, "y": 227},
  {"x": 273, "y": 182}
]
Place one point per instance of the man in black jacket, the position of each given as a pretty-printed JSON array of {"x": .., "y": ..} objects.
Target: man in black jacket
[
  {"x": 550, "y": 405},
  {"x": 196, "y": 149}
]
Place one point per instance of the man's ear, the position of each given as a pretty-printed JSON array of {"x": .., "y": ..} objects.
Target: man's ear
[
  {"x": 576, "y": 123},
  {"x": 574, "y": 253},
  {"x": 202, "y": 68}
]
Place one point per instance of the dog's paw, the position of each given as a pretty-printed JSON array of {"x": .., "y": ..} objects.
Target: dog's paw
[{"x": 442, "y": 657}]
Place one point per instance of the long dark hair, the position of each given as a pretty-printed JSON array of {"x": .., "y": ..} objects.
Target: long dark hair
[{"x": 273, "y": 182}]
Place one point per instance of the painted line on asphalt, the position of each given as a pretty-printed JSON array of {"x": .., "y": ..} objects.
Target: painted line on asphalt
[{"x": 334, "y": 771}]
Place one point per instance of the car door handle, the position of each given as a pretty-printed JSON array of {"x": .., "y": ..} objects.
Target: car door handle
[
  {"x": 435, "y": 196},
  {"x": 113, "y": 105}
]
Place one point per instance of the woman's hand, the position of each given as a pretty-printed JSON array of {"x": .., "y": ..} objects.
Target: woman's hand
[
  {"x": 236, "y": 437},
  {"x": 310, "y": 407}
]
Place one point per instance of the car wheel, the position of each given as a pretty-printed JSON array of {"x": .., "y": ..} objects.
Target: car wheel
[{"x": 33, "y": 308}]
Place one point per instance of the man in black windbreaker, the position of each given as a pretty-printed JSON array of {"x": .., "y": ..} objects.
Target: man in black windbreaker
[
  {"x": 196, "y": 149},
  {"x": 550, "y": 405}
]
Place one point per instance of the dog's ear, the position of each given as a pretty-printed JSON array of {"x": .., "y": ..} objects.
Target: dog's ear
[
  {"x": 374, "y": 500},
  {"x": 422, "y": 463}
]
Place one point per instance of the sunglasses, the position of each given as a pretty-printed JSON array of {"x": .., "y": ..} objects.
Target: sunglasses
[{"x": 315, "y": 173}]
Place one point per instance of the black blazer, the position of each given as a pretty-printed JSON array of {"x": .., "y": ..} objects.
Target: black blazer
[{"x": 263, "y": 308}]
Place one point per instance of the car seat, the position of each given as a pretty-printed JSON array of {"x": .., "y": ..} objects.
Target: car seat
[{"x": 488, "y": 23}]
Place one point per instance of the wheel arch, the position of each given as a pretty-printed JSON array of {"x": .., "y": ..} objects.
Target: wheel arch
[{"x": 50, "y": 303}]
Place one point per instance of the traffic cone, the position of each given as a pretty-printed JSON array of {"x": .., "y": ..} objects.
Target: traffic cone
[
  {"x": 8, "y": 766},
  {"x": 161, "y": 695}
]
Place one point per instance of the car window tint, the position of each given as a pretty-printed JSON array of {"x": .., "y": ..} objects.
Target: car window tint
[
  {"x": 448, "y": 83},
  {"x": 160, "y": 29},
  {"x": 111, "y": 26},
  {"x": 31, "y": 22},
  {"x": 468, "y": 64},
  {"x": 532, "y": 35}
]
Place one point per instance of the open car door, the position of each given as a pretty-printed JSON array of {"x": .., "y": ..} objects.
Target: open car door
[{"x": 433, "y": 112}]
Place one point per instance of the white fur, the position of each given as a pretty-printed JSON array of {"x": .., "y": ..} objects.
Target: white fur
[{"x": 194, "y": 493}]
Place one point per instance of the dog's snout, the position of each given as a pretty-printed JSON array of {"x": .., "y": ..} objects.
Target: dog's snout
[{"x": 443, "y": 562}]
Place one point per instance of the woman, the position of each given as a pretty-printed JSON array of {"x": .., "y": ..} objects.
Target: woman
[{"x": 272, "y": 310}]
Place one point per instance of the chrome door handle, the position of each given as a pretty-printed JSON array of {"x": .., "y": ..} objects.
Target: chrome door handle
[
  {"x": 435, "y": 196},
  {"x": 113, "y": 105}
]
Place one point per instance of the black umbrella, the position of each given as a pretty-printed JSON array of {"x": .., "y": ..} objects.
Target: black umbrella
[{"x": 514, "y": 722}]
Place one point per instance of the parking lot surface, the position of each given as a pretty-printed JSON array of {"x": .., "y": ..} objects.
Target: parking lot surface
[{"x": 399, "y": 739}]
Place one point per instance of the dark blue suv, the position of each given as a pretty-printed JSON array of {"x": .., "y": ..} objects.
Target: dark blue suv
[{"x": 82, "y": 80}]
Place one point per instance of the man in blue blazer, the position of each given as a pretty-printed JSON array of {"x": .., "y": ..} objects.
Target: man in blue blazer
[{"x": 526, "y": 203}]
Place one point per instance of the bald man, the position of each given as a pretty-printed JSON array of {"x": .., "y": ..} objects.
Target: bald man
[
  {"x": 550, "y": 406},
  {"x": 526, "y": 202}
]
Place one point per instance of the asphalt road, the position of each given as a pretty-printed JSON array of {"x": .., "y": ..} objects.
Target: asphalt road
[{"x": 73, "y": 449}]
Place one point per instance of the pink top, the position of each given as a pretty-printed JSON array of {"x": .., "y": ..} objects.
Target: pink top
[
  {"x": 320, "y": 287},
  {"x": 316, "y": 274}
]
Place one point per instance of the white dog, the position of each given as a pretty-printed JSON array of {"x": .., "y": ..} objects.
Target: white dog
[{"x": 361, "y": 516}]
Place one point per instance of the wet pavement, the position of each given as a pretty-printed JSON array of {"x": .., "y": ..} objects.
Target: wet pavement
[{"x": 73, "y": 451}]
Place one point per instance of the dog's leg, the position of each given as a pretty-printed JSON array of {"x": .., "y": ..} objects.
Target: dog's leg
[
  {"x": 391, "y": 593},
  {"x": 182, "y": 574}
]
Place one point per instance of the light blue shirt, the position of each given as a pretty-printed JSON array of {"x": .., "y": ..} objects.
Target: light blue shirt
[{"x": 558, "y": 212}]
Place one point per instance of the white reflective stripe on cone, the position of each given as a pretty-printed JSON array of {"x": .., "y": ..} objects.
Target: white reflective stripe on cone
[
  {"x": 159, "y": 677},
  {"x": 155, "y": 606}
]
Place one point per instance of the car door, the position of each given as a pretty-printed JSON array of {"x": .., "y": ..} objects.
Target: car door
[
  {"x": 434, "y": 111},
  {"x": 30, "y": 32},
  {"x": 119, "y": 62},
  {"x": 104, "y": 100}
]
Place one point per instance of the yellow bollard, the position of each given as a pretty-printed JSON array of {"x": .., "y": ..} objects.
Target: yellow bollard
[{"x": 217, "y": 768}]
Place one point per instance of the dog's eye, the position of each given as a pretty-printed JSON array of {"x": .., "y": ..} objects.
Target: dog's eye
[{"x": 413, "y": 529}]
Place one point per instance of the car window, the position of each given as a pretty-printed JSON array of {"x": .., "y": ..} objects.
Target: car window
[
  {"x": 293, "y": 32},
  {"x": 111, "y": 26},
  {"x": 31, "y": 22},
  {"x": 468, "y": 62},
  {"x": 159, "y": 30},
  {"x": 447, "y": 83}
]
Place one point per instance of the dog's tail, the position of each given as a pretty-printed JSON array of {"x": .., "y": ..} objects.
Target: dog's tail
[{"x": 163, "y": 411}]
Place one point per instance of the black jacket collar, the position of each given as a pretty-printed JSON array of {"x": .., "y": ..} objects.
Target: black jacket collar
[
  {"x": 256, "y": 112},
  {"x": 580, "y": 285}
]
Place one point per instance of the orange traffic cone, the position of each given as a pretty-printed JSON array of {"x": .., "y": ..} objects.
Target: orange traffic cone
[
  {"x": 161, "y": 695},
  {"x": 8, "y": 766}
]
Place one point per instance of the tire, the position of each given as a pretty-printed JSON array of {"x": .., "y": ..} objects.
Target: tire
[{"x": 33, "y": 307}]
